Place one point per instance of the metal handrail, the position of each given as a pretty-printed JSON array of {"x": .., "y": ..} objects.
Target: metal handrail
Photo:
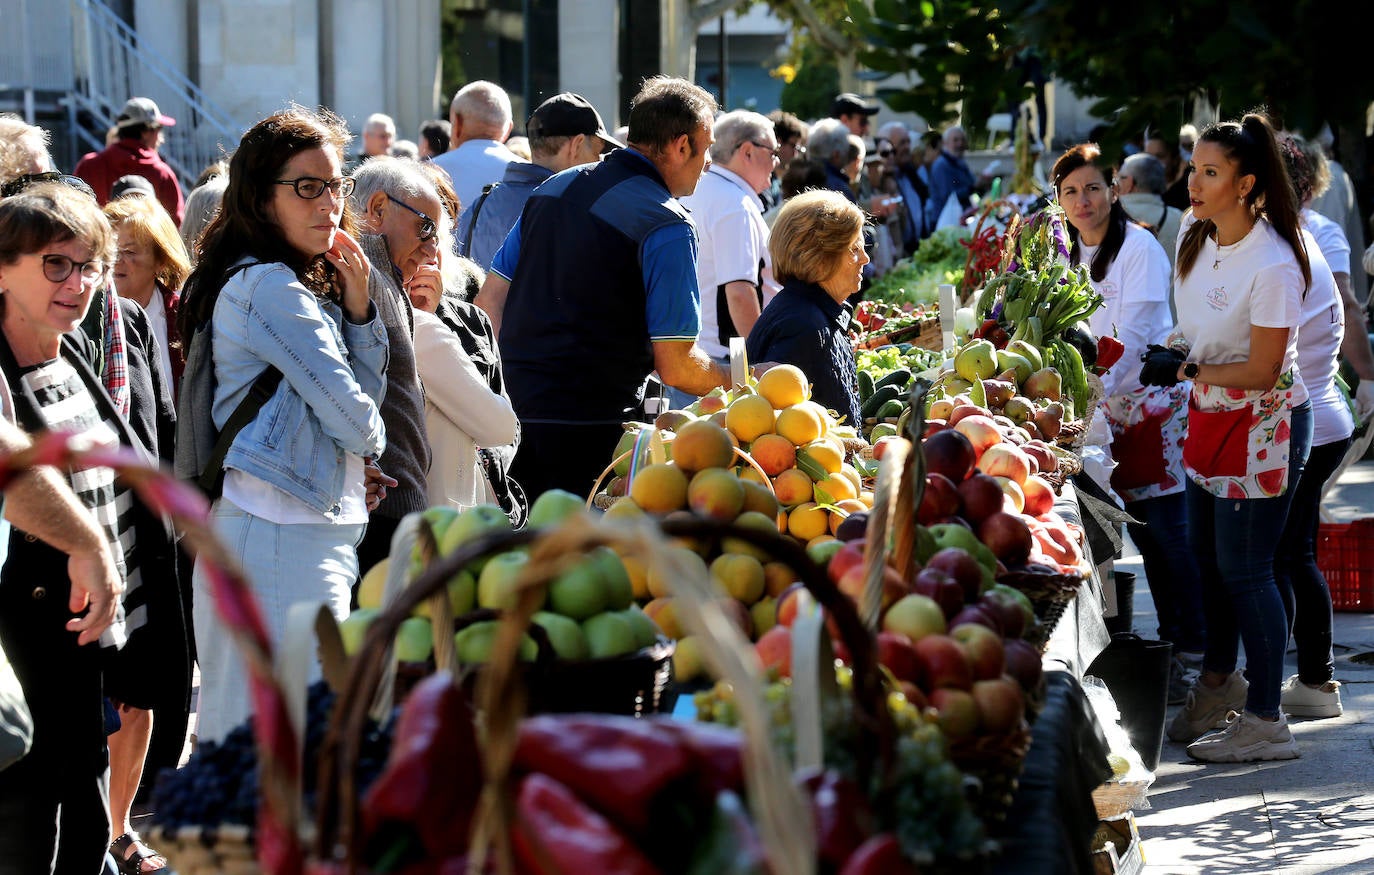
[{"x": 113, "y": 64}]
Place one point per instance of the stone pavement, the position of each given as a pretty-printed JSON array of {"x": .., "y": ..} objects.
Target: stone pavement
[{"x": 1306, "y": 816}]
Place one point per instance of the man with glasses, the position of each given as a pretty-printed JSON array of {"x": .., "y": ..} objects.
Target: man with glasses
[
  {"x": 791, "y": 133},
  {"x": 909, "y": 183},
  {"x": 733, "y": 275},
  {"x": 397, "y": 209},
  {"x": 564, "y": 131},
  {"x": 140, "y": 126}
]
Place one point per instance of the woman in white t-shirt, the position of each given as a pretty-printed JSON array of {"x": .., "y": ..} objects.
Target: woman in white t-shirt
[
  {"x": 1130, "y": 270},
  {"x": 1241, "y": 275}
]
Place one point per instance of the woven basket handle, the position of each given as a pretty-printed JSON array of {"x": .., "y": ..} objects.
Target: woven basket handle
[
  {"x": 308, "y": 624},
  {"x": 739, "y": 362}
]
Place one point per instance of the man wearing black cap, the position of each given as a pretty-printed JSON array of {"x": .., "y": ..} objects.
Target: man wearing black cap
[
  {"x": 140, "y": 125},
  {"x": 564, "y": 131},
  {"x": 854, "y": 111}
]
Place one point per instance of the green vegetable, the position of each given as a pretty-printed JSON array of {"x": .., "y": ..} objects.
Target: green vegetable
[
  {"x": 898, "y": 378},
  {"x": 880, "y": 397},
  {"x": 891, "y": 409},
  {"x": 865, "y": 386}
]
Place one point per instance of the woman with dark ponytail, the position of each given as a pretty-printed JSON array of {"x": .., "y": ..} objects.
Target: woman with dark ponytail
[
  {"x": 1242, "y": 274},
  {"x": 1130, "y": 270}
]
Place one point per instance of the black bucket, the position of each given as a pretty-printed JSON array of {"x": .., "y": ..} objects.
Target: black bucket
[
  {"x": 1122, "y": 623},
  {"x": 1136, "y": 672}
]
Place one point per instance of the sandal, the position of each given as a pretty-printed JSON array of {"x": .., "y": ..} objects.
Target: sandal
[{"x": 131, "y": 854}]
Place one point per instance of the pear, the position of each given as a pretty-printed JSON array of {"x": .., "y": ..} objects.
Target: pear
[
  {"x": 998, "y": 392},
  {"x": 1010, "y": 360},
  {"x": 1050, "y": 420},
  {"x": 1029, "y": 352},
  {"x": 976, "y": 361},
  {"x": 1018, "y": 409},
  {"x": 1044, "y": 383}
]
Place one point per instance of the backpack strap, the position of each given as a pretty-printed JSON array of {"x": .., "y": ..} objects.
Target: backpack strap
[
  {"x": 476, "y": 211},
  {"x": 211, "y": 480}
]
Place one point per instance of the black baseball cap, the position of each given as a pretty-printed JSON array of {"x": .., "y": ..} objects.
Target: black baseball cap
[
  {"x": 848, "y": 104},
  {"x": 567, "y": 115}
]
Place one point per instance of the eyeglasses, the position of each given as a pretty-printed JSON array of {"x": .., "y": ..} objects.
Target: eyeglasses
[
  {"x": 427, "y": 228},
  {"x": 884, "y": 153},
  {"x": 58, "y": 267},
  {"x": 311, "y": 187},
  {"x": 775, "y": 150},
  {"x": 20, "y": 183}
]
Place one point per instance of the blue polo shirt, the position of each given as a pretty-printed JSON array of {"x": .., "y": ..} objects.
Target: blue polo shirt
[{"x": 804, "y": 326}]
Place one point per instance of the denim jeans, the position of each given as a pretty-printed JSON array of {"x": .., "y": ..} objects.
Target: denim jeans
[
  {"x": 1171, "y": 569},
  {"x": 1235, "y": 541},
  {"x": 1306, "y": 598}
]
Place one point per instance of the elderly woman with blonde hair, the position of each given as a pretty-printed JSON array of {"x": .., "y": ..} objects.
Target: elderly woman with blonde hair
[
  {"x": 150, "y": 266},
  {"x": 817, "y": 244}
]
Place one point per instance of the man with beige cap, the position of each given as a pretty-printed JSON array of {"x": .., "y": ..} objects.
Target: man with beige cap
[{"x": 140, "y": 125}]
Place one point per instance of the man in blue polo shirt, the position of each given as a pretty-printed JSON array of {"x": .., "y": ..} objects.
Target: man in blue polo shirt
[{"x": 595, "y": 287}]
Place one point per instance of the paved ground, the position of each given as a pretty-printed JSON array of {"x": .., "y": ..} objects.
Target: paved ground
[{"x": 1301, "y": 817}]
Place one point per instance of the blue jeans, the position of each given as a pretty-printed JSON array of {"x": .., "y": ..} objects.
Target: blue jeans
[
  {"x": 1235, "y": 541},
  {"x": 1306, "y": 598},
  {"x": 1171, "y": 569}
]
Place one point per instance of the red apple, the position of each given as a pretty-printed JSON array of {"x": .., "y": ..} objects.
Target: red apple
[
  {"x": 958, "y": 712},
  {"x": 981, "y": 431},
  {"x": 1039, "y": 495},
  {"x": 940, "y": 586},
  {"x": 853, "y": 582},
  {"x": 960, "y": 565},
  {"x": 851, "y": 554},
  {"x": 976, "y": 614},
  {"x": 1007, "y": 611},
  {"x": 1001, "y": 705},
  {"x": 897, "y": 653},
  {"x": 934, "y": 426},
  {"x": 982, "y": 497},
  {"x": 964, "y": 411},
  {"x": 774, "y": 648},
  {"x": 787, "y": 604},
  {"x": 1023, "y": 663},
  {"x": 913, "y": 694},
  {"x": 1013, "y": 499},
  {"x": 881, "y": 445},
  {"x": 949, "y": 453},
  {"x": 943, "y": 663},
  {"x": 941, "y": 499},
  {"x": 983, "y": 649},
  {"x": 1042, "y": 454},
  {"x": 1007, "y": 537},
  {"x": 915, "y": 616}
]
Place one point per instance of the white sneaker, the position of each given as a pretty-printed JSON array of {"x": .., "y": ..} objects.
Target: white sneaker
[
  {"x": 1246, "y": 739},
  {"x": 1301, "y": 700},
  {"x": 1206, "y": 708}
]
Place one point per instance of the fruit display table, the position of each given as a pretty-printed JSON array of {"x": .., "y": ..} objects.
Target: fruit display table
[{"x": 1081, "y": 633}]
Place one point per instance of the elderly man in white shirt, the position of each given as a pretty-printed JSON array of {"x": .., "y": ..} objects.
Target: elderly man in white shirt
[{"x": 480, "y": 120}]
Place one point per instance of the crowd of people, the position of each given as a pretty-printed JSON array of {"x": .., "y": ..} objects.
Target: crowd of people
[{"x": 326, "y": 342}]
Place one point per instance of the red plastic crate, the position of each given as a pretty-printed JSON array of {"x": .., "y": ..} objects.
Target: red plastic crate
[{"x": 1345, "y": 555}]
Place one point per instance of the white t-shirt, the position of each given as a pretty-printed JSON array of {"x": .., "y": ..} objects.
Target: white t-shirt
[
  {"x": 1319, "y": 342},
  {"x": 1330, "y": 239},
  {"x": 733, "y": 247},
  {"x": 1255, "y": 281},
  {"x": 262, "y": 499},
  {"x": 472, "y": 165},
  {"x": 1135, "y": 307},
  {"x": 157, "y": 320}
]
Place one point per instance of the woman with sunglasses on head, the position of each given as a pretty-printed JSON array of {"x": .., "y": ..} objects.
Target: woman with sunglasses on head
[
  {"x": 1242, "y": 273},
  {"x": 282, "y": 284},
  {"x": 1130, "y": 270}
]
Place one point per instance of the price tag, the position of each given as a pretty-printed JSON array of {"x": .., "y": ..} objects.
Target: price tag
[{"x": 948, "y": 304}]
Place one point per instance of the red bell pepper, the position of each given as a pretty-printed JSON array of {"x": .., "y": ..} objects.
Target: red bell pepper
[
  {"x": 617, "y": 764},
  {"x": 843, "y": 818},
  {"x": 556, "y": 833},
  {"x": 717, "y": 763},
  {"x": 880, "y": 855},
  {"x": 1109, "y": 352},
  {"x": 433, "y": 776}
]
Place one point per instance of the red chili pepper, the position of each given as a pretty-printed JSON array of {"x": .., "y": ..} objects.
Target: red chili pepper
[
  {"x": 433, "y": 776},
  {"x": 1109, "y": 351},
  {"x": 556, "y": 833},
  {"x": 880, "y": 855},
  {"x": 618, "y": 764}
]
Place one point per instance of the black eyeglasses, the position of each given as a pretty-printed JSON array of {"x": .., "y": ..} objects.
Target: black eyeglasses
[
  {"x": 20, "y": 183},
  {"x": 884, "y": 153},
  {"x": 311, "y": 187},
  {"x": 427, "y": 227},
  {"x": 58, "y": 267},
  {"x": 776, "y": 150}
]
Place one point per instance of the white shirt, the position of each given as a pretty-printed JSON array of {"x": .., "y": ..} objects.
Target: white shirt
[
  {"x": 260, "y": 498},
  {"x": 1319, "y": 342},
  {"x": 1135, "y": 309},
  {"x": 157, "y": 320},
  {"x": 474, "y": 164},
  {"x": 733, "y": 247},
  {"x": 1330, "y": 237},
  {"x": 1255, "y": 281}
]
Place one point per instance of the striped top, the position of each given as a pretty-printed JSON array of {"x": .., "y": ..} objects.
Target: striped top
[{"x": 62, "y": 402}]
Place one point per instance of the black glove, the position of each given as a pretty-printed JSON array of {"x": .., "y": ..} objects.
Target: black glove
[{"x": 1160, "y": 366}]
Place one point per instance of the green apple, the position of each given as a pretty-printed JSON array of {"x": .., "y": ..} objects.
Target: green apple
[
  {"x": 955, "y": 535},
  {"x": 414, "y": 643},
  {"x": 821, "y": 551},
  {"x": 646, "y": 630},
  {"x": 608, "y": 634},
  {"x": 439, "y": 518},
  {"x": 373, "y": 584},
  {"x": 462, "y": 595},
  {"x": 565, "y": 634},
  {"x": 554, "y": 506},
  {"x": 354, "y": 627},
  {"x": 496, "y": 584},
  {"x": 471, "y": 524},
  {"x": 585, "y": 589},
  {"x": 620, "y": 592},
  {"x": 764, "y": 613},
  {"x": 915, "y": 616},
  {"x": 474, "y": 644}
]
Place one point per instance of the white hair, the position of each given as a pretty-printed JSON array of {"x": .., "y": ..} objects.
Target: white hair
[
  {"x": 889, "y": 130},
  {"x": 379, "y": 120},
  {"x": 829, "y": 138},
  {"x": 405, "y": 149},
  {"x": 734, "y": 129},
  {"x": 401, "y": 178},
  {"x": 483, "y": 104}
]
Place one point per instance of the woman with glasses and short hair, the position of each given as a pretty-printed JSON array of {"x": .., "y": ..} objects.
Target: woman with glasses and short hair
[{"x": 282, "y": 285}]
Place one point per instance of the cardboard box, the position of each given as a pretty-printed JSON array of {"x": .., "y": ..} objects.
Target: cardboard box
[{"x": 1116, "y": 847}]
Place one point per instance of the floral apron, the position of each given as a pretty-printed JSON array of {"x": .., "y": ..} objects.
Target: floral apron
[
  {"x": 1148, "y": 428},
  {"x": 1239, "y": 439}
]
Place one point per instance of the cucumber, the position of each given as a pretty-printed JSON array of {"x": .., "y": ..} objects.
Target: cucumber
[
  {"x": 865, "y": 386},
  {"x": 879, "y": 398},
  {"x": 891, "y": 409},
  {"x": 898, "y": 378}
]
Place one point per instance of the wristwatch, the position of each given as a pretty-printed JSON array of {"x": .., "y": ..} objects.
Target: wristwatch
[{"x": 1190, "y": 370}]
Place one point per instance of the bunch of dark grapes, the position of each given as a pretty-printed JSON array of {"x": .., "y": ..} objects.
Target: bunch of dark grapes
[{"x": 219, "y": 783}]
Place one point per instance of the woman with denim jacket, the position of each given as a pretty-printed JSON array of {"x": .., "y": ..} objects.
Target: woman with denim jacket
[{"x": 283, "y": 285}]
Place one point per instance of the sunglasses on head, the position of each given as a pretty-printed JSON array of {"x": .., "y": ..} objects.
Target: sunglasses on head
[{"x": 20, "y": 183}]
